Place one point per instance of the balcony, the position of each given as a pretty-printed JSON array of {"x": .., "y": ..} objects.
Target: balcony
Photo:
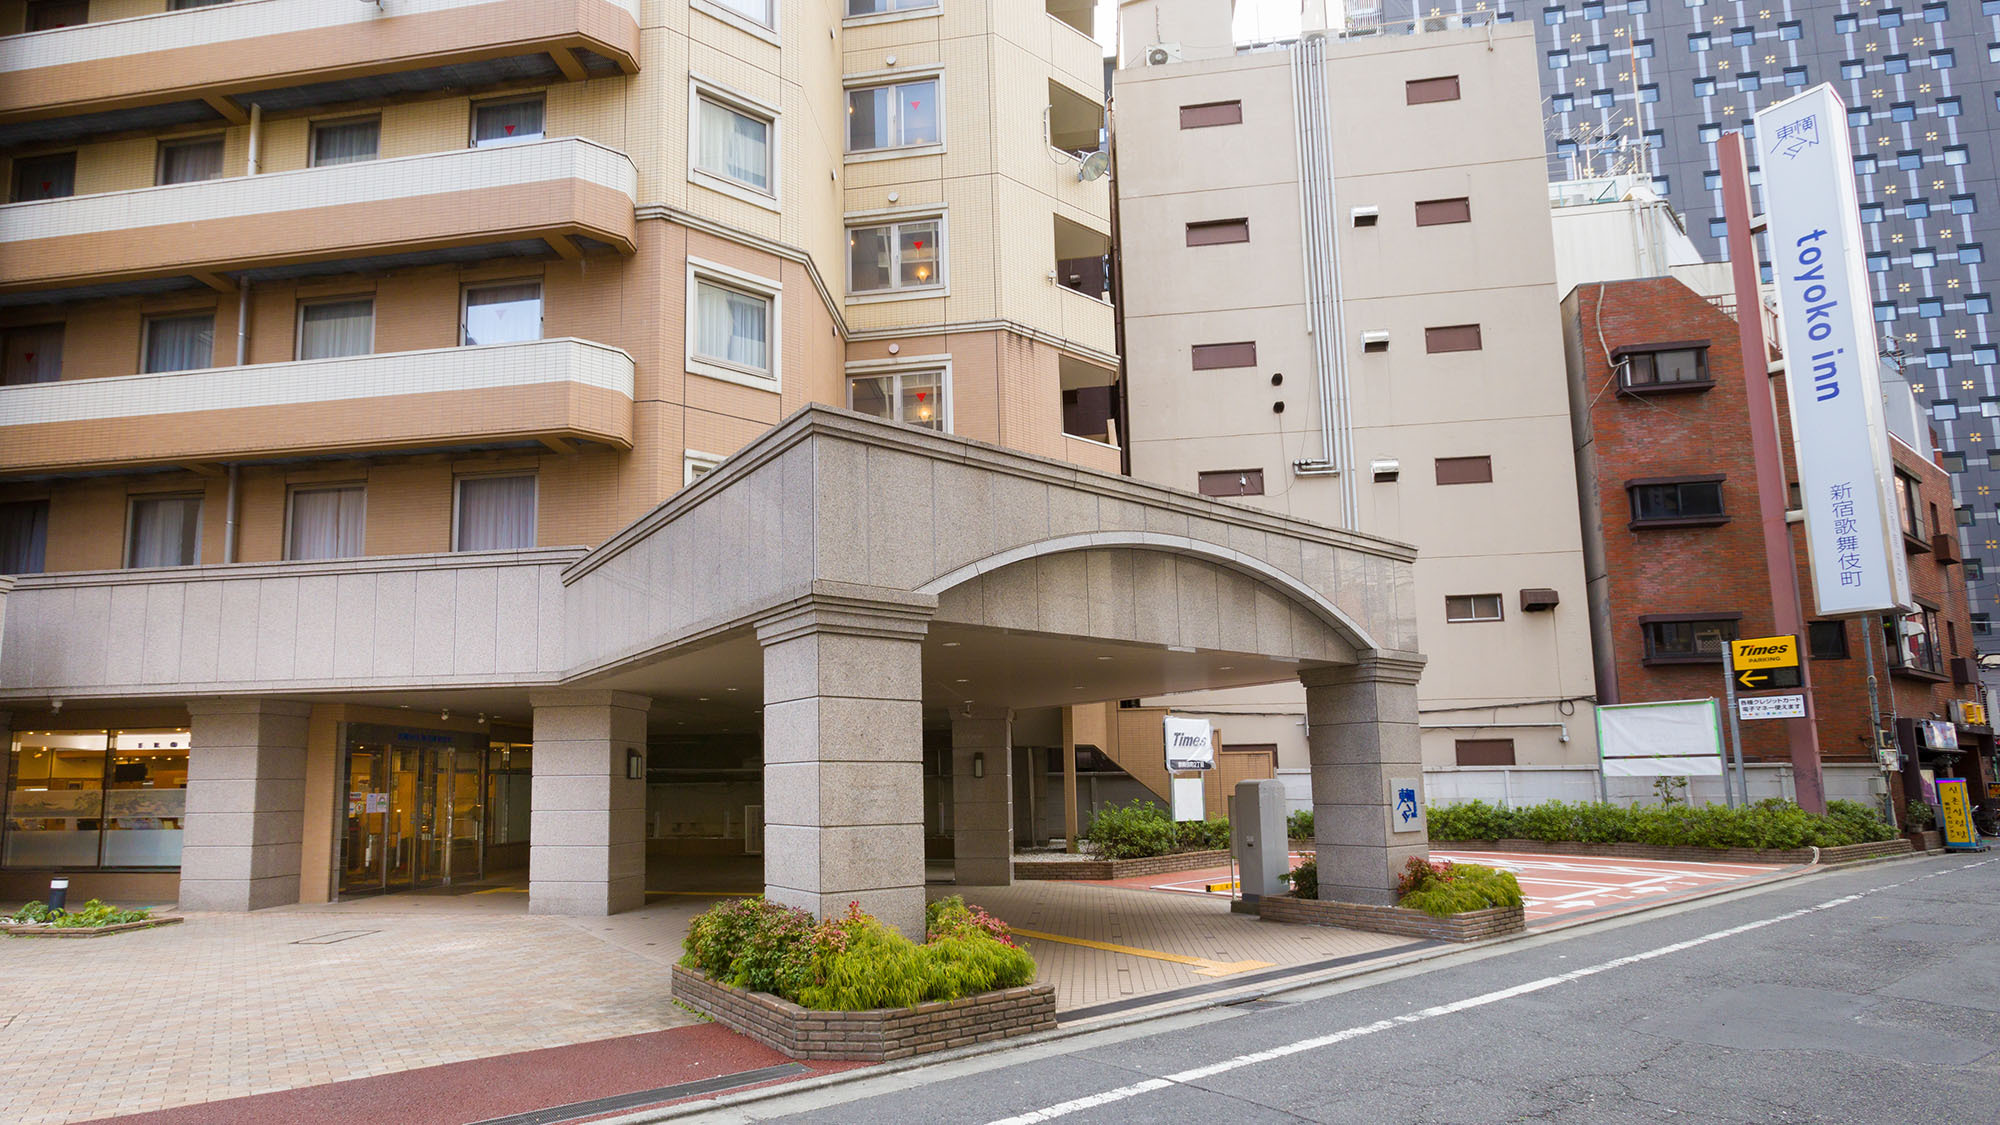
[
  {"x": 564, "y": 197},
  {"x": 551, "y": 392},
  {"x": 211, "y": 64},
  {"x": 1073, "y": 51}
]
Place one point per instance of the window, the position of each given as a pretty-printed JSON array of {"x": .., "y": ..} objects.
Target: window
[
  {"x": 1895, "y": 64},
  {"x": 1743, "y": 36},
  {"x": 1878, "y": 262},
  {"x": 1890, "y": 17},
  {"x": 1827, "y": 639},
  {"x": 1597, "y": 54},
  {"x": 756, "y": 11},
  {"x": 732, "y": 322},
  {"x": 1649, "y": 92},
  {"x": 1937, "y": 357},
  {"x": 1914, "y": 642},
  {"x": 1944, "y": 60},
  {"x": 1978, "y": 304},
  {"x": 1917, "y": 209},
  {"x": 330, "y": 329},
  {"x": 1642, "y": 48},
  {"x": 1985, "y": 355},
  {"x": 1553, "y": 16},
  {"x": 47, "y": 15},
  {"x": 1686, "y": 640},
  {"x": 186, "y": 162},
  {"x": 1464, "y": 470},
  {"x": 1484, "y": 751},
  {"x": 1791, "y": 29},
  {"x": 1846, "y": 23},
  {"x": 1216, "y": 232},
  {"x": 894, "y": 256},
  {"x": 1930, "y": 308},
  {"x": 1950, "y": 107},
  {"x": 1603, "y": 99},
  {"x": 1436, "y": 212},
  {"x": 50, "y": 176},
  {"x": 1909, "y": 507},
  {"x": 96, "y": 799},
  {"x": 1923, "y": 257},
  {"x": 1699, "y": 42},
  {"x": 1704, "y": 87},
  {"x": 1680, "y": 502},
  {"x": 1903, "y": 111},
  {"x": 1853, "y": 69},
  {"x": 914, "y": 398},
  {"x": 510, "y": 122},
  {"x": 1944, "y": 410},
  {"x": 31, "y": 353},
  {"x": 1858, "y": 116},
  {"x": 1452, "y": 338},
  {"x": 1209, "y": 114},
  {"x": 1964, "y": 205},
  {"x": 1885, "y": 312},
  {"x": 164, "y": 531},
  {"x": 1955, "y": 155},
  {"x": 1208, "y": 357},
  {"x": 1971, "y": 252},
  {"x": 346, "y": 142},
  {"x": 1663, "y": 368},
  {"x": 1749, "y": 80},
  {"x": 880, "y": 7},
  {"x": 695, "y": 466},
  {"x": 1558, "y": 60},
  {"x": 1232, "y": 482},
  {"x": 1909, "y": 160},
  {"x": 733, "y": 143},
  {"x": 1872, "y": 212},
  {"x": 1795, "y": 76},
  {"x": 1709, "y": 133},
  {"x": 897, "y": 116},
  {"x": 327, "y": 523},
  {"x": 24, "y": 536},
  {"x": 1472, "y": 607},
  {"x": 507, "y": 313},
  {"x": 495, "y": 513},
  {"x": 1417, "y": 91},
  {"x": 1936, "y": 13},
  {"x": 178, "y": 343}
]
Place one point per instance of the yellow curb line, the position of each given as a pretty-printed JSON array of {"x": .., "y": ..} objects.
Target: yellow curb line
[{"x": 1202, "y": 965}]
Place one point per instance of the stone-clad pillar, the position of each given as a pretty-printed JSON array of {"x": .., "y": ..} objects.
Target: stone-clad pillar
[
  {"x": 1365, "y": 749},
  {"x": 844, "y": 752},
  {"x": 246, "y": 800},
  {"x": 587, "y": 819},
  {"x": 982, "y": 808}
]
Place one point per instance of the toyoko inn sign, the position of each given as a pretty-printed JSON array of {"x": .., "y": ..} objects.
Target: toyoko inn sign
[{"x": 1846, "y": 482}]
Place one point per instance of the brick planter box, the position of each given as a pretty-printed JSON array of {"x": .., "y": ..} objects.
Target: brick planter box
[
  {"x": 1781, "y": 857},
  {"x": 1101, "y": 869},
  {"x": 23, "y": 930},
  {"x": 1925, "y": 840},
  {"x": 1470, "y": 926},
  {"x": 873, "y": 1036}
]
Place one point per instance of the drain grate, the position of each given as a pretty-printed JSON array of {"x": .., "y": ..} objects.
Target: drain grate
[{"x": 335, "y": 937}]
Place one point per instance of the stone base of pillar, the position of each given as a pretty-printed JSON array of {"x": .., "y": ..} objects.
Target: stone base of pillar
[
  {"x": 982, "y": 797},
  {"x": 246, "y": 799},
  {"x": 587, "y": 820},
  {"x": 1364, "y": 744}
]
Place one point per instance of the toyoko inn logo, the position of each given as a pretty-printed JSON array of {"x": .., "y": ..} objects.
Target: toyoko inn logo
[{"x": 1795, "y": 137}]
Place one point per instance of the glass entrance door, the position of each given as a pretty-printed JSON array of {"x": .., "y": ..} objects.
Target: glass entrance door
[
  {"x": 414, "y": 812},
  {"x": 364, "y": 841}
]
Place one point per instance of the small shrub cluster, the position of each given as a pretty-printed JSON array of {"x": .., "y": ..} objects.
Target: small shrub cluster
[
  {"x": 1441, "y": 888},
  {"x": 1919, "y": 815},
  {"x": 1142, "y": 829},
  {"x": 90, "y": 915},
  {"x": 1299, "y": 825},
  {"x": 1773, "y": 824},
  {"x": 1304, "y": 878},
  {"x": 855, "y": 963}
]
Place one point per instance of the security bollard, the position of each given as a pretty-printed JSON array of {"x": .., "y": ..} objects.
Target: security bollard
[{"x": 58, "y": 893}]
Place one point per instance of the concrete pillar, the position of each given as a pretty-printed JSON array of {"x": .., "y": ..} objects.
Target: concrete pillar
[
  {"x": 587, "y": 820},
  {"x": 844, "y": 752},
  {"x": 1363, "y": 743},
  {"x": 982, "y": 808},
  {"x": 246, "y": 799}
]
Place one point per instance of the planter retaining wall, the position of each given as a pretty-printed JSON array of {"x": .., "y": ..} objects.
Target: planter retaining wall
[
  {"x": 1470, "y": 926},
  {"x": 1102, "y": 869},
  {"x": 872, "y": 1036},
  {"x": 25, "y": 930},
  {"x": 1847, "y": 853}
]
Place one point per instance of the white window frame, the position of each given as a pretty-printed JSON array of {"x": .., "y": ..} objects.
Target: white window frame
[
  {"x": 735, "y": 101},
  {"x": 146, "y": 338},
  {"x": 728, "y": 277},
  {"x": 925, "y": 11},
  {"x": 695, "y": 465},
  {"x": 299, "y": 322},
  {"x": 876, "y": 79},
  {"x": 465, "y": 305},
  {"x": 1499, "y": 602},
  {"x": 312, "y": 136},
  {"x": 768, "y": 32},
  {"x": 472, "y": 120},
  {"x": 905, "y": 365},
  {"x": 941, "y": 287},
  {"x": 132, "y": 502},
  {"x": 291, "y": 494},
  {"x": 458, "y": 479}
]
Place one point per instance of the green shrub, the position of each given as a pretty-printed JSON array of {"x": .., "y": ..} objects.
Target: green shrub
[
  {"x": 1202, "y": 836},
  {"x": 1304, "y": 879},
  {"x": 1441, "y": 888},
  {"x": 1299, "y": 825},
  {"x": 1919, "y": 815},
  {"x": 1773, "y": 824},
  {"x": 90, "y": 915},
  {"x": 31, "y": 912}
]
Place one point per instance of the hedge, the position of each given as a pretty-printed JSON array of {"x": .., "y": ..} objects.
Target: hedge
[{"x": 1774, "y": 824}]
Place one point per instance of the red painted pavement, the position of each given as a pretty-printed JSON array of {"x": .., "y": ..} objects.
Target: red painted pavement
[{"x": 457, "y": 1093}]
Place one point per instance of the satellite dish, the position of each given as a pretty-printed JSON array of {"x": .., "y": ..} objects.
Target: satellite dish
[{"x": 1094, "y": 165}]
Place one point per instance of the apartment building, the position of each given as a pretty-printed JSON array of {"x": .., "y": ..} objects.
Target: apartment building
[
  {"x": 1339, "y": 303},
  {"x": 439, "y": 435}
]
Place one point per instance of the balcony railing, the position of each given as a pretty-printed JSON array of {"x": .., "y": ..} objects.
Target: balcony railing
[
  {"x": 568, "y": 189},
  {"x": 545, "y": 390}
]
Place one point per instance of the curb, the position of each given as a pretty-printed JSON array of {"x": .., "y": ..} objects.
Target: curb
[{"x": 1224, "y": 1000}]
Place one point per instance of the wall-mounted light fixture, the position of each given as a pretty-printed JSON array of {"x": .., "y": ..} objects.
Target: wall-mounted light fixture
[
  {"x": 979, "y": 765},
  {"x": 635, "y": 765}
]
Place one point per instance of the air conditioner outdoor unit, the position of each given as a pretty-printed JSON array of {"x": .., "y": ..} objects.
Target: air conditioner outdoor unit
[{"x": 1160, "y": 54}]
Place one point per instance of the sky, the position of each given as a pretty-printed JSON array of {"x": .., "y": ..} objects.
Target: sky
[{"x": 1255, "y": 20}]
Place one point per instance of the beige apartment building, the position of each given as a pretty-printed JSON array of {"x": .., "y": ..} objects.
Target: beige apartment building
[
  {"x": 1340, "y": 304},
  {"x": 442, "y": 437}
]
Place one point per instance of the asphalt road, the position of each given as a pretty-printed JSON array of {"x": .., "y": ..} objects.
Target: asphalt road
[{"x": 1866, "y": 996}]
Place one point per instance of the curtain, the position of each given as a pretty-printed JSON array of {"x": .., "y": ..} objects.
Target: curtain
[
  {"x": 180, "y": 343},
  {"x": 33, "y": 355},
  {"x": 496, "y": 513},
  {"x": 504, "y": 123},
  {"x": 731, "y": 326},
  {"x": 346, "y": 142},
  {"x": 337, "y": 328},
  {"x": 734, "y": 145},
  {"x": 327, "y": 523},
  {"x": 918, "y": 110},
  {"x": 503, "y": 314},
  {"x": 45, "y": 177},
  {"x": 164, "y": 532},
  {"x": 24, "y": 536},
  {"x": 187, "y": 163}
]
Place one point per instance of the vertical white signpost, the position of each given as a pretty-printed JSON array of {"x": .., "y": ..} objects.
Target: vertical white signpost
[
  {"x": 1846, "y": 479},
  {"x": 1190, "y": 747}
]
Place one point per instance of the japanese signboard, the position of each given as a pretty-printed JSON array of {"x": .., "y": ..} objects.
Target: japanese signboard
[
  {"x": 1750, "y": 707},
  {"x": 1407, "y": 815},
  {"x": 1957, "y": 822},
  {"x": 1765, "y": 663},
  {"x": 1190, "y": 744},
  {"x": 1828, "y": 336}
]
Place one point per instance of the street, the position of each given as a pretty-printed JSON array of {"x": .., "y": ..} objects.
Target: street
[{"x": 1862, "y": 996}]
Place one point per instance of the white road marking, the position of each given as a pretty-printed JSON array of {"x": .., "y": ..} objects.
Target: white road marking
[{"x": 1122, "y": 1093}]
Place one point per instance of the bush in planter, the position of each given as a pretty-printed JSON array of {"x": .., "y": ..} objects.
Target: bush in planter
[
  {"x": 1299, "y": 825},
  {"x": 91, "y": 915},
  {"x": 1202, "y": 836},
  {"x": 1441, "y": 888},
  {"x": 1304, "y": 879},
  {"x": 1919, "y": 815},
  {"x": 1774, "y": 824}
]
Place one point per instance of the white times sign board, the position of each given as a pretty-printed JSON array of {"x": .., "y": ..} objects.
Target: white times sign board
[
  {"x": 1846, "y": 483},
  {"x": 1749, "y": 707},
  {"x": 1190, "y": 744}
]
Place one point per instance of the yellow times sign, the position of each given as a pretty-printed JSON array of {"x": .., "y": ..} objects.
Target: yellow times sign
[{"x": 1765, "y": 652}]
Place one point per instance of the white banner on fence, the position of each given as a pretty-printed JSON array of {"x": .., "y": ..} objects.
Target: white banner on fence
[{"x": 1681, "y": 737}]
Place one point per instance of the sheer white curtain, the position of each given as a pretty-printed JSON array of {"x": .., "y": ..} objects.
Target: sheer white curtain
[
  {"x": 33, "y": 355},
  {"x": 345, "y": 142},
  {"x": 195, "y": 160},
  {"x": 735, "y": 145},
  {"x": 496, "y": 513},
  {"x": 180, "y": 343},
  {"x": 164, "y": 531},
  {"x": 504, "y": 123},
  {"x": 24, "y": 536},
  {"x": 732, "y": 326},
  {"x": 327, "y": 523},
  {"x": 337, "y": 328},
  {"x": 503, "y": 314}
]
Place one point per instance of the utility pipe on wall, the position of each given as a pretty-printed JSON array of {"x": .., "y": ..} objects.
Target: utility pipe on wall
[{"x": 242, "y": 342}]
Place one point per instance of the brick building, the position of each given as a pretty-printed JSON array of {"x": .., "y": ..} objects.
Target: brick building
[{"x": 1675, "y": 555}]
